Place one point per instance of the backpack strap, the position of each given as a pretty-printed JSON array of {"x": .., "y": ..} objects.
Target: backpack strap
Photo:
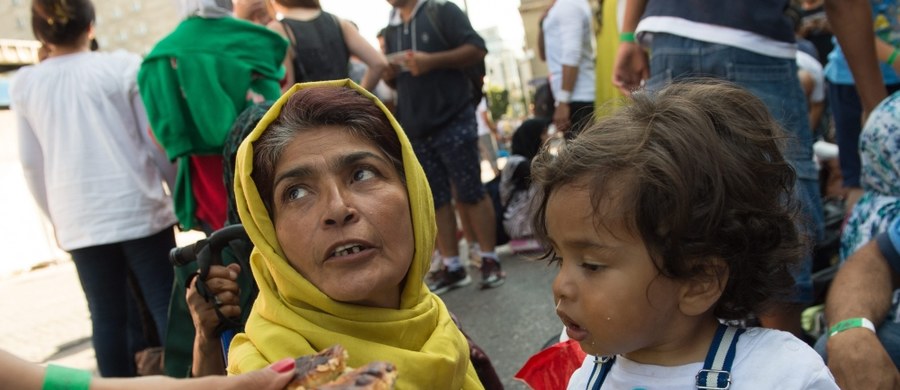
[
  {"x": 602, "y": 365},
  {"x": 716, "y": 372}
]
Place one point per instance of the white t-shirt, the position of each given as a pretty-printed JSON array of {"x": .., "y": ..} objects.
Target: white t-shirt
[
  {"x": 811, "y": 65},
  {"x": 86, "y": 151},
  {"x": 765, "y": 359},
  {"x": 483, "y": 128},
  {"x": 568, "y": 40}
]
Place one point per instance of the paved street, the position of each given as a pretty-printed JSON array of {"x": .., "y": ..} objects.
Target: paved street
[{"x": 45, "y": 317}]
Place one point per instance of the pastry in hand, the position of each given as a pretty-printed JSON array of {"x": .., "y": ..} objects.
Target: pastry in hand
[
  {"x": 373, "y": 376},
  {"x": 312, "y": 371}
]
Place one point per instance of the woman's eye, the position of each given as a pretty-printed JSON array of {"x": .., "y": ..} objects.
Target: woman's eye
[
  {"x": 296, "y": 193},
  {"x": 363, "y": 174}
]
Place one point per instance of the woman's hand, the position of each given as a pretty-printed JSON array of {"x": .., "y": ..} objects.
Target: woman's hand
[{"x": 223, "y": 288}]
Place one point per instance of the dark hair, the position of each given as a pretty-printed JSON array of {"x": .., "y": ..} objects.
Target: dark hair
[
  {"x": 544, "y": 104},
  {"x": 316, "y": 107},
  {"x": 61, "y": 22},
  {"x": 300, "y": 3},
  {"x": 701, "y": 176}
]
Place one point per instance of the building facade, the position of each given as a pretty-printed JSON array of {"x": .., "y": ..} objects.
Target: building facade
[{"x": 132, "y": 25}]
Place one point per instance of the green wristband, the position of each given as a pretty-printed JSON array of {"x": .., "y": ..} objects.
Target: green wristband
[
  {"x": 890, "y": 60},
  {"x": 65, "y": 378},
  {"x": 851, "y": 323},
  {"x": 626, "y": 37}
]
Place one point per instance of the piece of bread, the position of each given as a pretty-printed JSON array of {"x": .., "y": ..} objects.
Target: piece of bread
[
  {"x": 312, "y": 371},
  {"x": 373, "y": 376}
]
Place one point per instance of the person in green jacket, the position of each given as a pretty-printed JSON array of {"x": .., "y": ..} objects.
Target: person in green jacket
[{"x": 194, "y": 84}]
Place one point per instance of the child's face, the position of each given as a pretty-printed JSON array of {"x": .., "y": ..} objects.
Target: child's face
[{"x": 609, "y": 294}]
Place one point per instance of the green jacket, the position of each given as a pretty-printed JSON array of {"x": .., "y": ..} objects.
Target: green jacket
[{"x": 193, "y": 102}]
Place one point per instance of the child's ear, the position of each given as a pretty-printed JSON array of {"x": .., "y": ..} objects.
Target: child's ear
[{"x": 700, "y": 294}]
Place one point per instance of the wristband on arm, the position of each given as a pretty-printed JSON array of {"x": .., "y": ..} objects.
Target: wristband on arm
[
  {"x": 892, "y": 57},
  {"x": 564, "y": 96},
  {"x": 627, "y": 37},
  {"x": 851, "y": 323},
  {"x": 65, "y": 378}
]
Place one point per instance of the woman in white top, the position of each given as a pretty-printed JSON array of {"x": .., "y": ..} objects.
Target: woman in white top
[{"x": 94, "y": 170}]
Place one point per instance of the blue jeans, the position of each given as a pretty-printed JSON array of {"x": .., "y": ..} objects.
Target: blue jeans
[
  {"x": 102, "y": 270},
  {"x": 774, "y": 81},
  {"x": 888, "y": 334}
]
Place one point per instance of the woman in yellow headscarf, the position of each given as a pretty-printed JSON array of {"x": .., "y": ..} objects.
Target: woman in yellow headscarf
[{"x": 340, "y": 212}]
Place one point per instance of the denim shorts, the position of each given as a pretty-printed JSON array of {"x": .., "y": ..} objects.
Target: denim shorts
[
  {"x": 451, "y": 155},
  {"x": 773, "y": 80}
]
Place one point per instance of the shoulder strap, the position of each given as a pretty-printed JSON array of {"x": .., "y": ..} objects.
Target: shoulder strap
[
  {"x": 716, "y": 372},
  {"x": 602, "y": 365},
  {"x": 431, "y": 11},
  {"x": 297, "y": 63}
]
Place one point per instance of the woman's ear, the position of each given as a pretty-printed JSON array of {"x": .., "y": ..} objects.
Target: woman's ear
[{"x": 700, "y": 294}]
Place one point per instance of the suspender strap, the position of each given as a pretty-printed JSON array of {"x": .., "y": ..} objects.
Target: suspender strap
[
  {"x": 602, "y": 364},
  {"x": 716, "y": 369},
  {"x": 715, "y": 374}
]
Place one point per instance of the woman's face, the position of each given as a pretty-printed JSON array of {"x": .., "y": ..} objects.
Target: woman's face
[{"x": 342, "y": 216}]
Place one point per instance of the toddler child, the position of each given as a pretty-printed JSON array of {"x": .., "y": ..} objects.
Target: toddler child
[{"x": 666, "y": 219}]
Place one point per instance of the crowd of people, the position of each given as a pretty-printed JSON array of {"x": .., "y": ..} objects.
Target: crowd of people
[{"x": 683, "y": 225}]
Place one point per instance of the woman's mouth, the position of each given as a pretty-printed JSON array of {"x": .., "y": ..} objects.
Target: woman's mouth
[{"x": 346, "y": 250}]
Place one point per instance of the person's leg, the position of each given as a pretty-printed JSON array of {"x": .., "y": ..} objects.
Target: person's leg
[
  {"x": 101, "y": 270},
  {"x": 148, "y": 258},
  {"x": 846, "y": 110},
  {"x": 489, "y": 151},
  {"x": 453, "y": 274},
  {"x": 459, "y": 154}
]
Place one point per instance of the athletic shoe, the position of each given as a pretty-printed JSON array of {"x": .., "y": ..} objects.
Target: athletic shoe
[
  {"x": 491, "y": 273},
  {"x": 445, "y": 280}
]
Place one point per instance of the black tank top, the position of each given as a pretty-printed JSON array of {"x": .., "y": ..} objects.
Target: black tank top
[{"x": 320, "y": 52}]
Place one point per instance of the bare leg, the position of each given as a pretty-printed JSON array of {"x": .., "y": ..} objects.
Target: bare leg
[
  {"x": 445, "y": 218},
  {"x": 481, "y": 216}
]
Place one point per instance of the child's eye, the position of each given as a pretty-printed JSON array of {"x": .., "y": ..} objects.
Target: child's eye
[
  {"x": 591, "y": 267},
  {"x": 554, "y": 259}
]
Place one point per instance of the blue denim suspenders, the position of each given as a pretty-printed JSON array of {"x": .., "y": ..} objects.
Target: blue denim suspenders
[{"x": 716, "y": 369}]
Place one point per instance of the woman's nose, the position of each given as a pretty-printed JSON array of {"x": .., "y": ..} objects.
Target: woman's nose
[{"x": 338, "y": 208}]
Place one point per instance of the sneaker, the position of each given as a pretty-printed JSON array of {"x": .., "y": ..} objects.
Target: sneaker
[
  {"x": 491, "y": 273},
  {"x": 445, "y": 280}
]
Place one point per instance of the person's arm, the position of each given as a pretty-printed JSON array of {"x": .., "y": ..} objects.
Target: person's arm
[
  {"x": 862, "y": 288},
  {"x": 631, "y": 65},
  {"x": 32, "y": 158},
  {"x": 207, "y": 352},
  {"x": 420, "y": 62},
  {"x": 358, "y": 46},
  {"x": 571, "y": 39},
  {"x": 289, "y": 78},
  {"x": 884, "y": 51},
  {"x": 851, "y": 22}
]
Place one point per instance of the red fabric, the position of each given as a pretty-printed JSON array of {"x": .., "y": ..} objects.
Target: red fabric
[
  {"x": 551, "y": 368},
  {"x": 208, "y": 186}
]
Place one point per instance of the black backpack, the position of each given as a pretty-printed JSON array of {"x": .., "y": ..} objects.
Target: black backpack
[{"x": 474, "y": 73}]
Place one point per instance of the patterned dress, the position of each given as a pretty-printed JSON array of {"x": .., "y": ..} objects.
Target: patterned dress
[{"x": 879, "y": 146}]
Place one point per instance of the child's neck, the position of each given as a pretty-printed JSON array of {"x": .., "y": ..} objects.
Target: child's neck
[{"x": 687, "y": 342}]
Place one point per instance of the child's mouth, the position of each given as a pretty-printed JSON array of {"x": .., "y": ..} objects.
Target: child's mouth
[{"x": 574, "y": 331}]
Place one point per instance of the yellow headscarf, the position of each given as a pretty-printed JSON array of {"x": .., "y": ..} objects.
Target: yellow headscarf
[{"x": 291, "y": 317}]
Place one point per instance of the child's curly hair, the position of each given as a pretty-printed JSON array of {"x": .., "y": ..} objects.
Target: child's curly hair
[{"x": 702, "y": 178}]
